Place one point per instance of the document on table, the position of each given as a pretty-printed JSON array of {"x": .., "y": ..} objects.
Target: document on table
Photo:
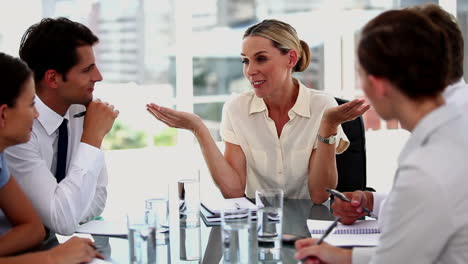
[
  {"x": 364, "y": 233},
  {"x": 215, "y": 206},
  {"x": 211, "y": 208},
  {"x": 99, "y": 261},
  {"x": 104, "y": 228}
]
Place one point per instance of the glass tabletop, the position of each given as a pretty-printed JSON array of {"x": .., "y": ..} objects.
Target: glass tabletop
[{"x": 203, "y": 244}]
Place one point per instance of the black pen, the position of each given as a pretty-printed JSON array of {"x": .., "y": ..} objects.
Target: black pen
[
  {"x": 342, "y": 197},
  {"x": 327, "y": 232},
  {"x": 80, "y": 114}
]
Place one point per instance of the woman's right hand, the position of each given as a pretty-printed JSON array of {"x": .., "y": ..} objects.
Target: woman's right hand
[
  {"x": 174, "y": 118},
  {"x": 350, "y": 212},
  {"x": 75, "y": 250}
]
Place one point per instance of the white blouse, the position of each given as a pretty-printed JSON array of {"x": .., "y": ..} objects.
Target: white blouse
[{"x": 274, "y": 162}]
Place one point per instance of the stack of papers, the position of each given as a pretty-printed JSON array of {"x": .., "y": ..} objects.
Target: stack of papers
[
  {"x": 364, "y": 233},
  {"x": 212, "y": 208}
]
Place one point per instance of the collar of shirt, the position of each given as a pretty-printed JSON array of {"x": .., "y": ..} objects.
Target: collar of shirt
[
  {"x": 453, "y": 87},
  {"x": 301, "y": 107},
  {"x": 426, "y": 126},
  {"x": 48, "y": 118}
]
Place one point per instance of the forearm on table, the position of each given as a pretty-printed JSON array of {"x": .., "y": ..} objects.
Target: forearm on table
[
  {"x": 322, "y": 171},
  {"x": 61, "y": 206},
  {"x": 21, "y": 237},
  {"x": 224, "y": 176},
  {"x": 39, "y": 257},
  {"x": 97, "y": 204}
]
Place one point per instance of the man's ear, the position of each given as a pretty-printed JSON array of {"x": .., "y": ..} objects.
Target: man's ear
[
  {"x": 3, "y": 114},
  {"x": 51, "y": 78},
  {"x": 292, "y": 58},
  {"x": 380, "y": 85}
]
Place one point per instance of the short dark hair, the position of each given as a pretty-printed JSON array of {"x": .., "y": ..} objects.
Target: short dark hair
[
  {"x": 447, "y": 23},
  {"x": 52, "y": 43},
  {"x": 406, "y": 48},
  {"x": 14, "y": 73}
]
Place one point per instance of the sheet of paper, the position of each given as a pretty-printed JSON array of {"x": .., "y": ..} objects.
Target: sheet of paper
[
  {"x": 98, "y": 261},
  {"x": 101, "y": 227},
  {"x": 62, "y": 239}
]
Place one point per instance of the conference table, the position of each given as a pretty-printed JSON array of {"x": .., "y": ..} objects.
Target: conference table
[{"x": 203, "y": 244}]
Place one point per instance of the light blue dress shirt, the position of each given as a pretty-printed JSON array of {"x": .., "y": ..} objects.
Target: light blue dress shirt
[
  {"x": 4, "y": 174},
  {"x": 425, "y": 216}
]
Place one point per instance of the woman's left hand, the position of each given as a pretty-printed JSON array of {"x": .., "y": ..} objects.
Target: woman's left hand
[{"x": 337, "y": 115}]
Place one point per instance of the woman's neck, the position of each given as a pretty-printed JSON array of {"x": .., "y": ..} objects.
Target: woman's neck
[
  {"x": 285, "y": 98},
  {"x": 412, "y": 111},
  {"x": 3, "y": 145}
]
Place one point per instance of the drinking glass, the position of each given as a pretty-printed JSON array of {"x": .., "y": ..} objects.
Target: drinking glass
[
  {"x": 235, "y": 226},
  {"x": 141, "y": 239},
  {"x": 269, "y": 221}
]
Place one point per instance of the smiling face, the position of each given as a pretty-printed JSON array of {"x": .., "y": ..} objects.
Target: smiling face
[
  {"x": 80, "y": 79},
  {"x": 18, "y": 120},
  {"x": 266, "y": 68}
]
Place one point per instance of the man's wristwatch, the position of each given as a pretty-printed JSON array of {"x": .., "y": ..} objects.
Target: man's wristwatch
[{"x": 329, "y": 140}]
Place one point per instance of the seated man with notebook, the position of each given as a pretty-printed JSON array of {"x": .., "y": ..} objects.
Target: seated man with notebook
[{"x": 403, "y": 67}]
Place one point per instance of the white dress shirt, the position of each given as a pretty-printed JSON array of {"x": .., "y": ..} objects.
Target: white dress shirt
[
  {"x": 425, "y": 216},
  {"x": 274, "y": 162},
  {"x": 77, "y": 198}
]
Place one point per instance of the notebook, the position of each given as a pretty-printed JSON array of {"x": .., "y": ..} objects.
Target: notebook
[
  {"x": 211, "y": 208},
  {"x": 363, "y": 233},
  {"x": 215, "y": 206}
]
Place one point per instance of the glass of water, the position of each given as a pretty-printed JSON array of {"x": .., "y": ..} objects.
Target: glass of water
[
  {"x": 141, "y": 239},
  {"x": 190, "y": 244},
  {"x": 269, "y": 218},
  {"x": 235, "y": 235},
  {"x": 189, "y": 201},
  {"x": 157, "y": 212}
]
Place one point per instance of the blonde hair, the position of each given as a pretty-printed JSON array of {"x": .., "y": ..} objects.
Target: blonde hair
[{"x": 284, "y": 37}]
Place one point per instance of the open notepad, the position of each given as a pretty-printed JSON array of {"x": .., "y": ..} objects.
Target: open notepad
[
  {"x": 361, "y": 233},
  {"x": 213, "y": 207}
]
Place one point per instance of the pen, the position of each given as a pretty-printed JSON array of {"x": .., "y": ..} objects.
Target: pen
[
  {"x": 327, "y": 232},
  {"x": 80, "y": 114},
  {"x": 237, "y": 206},
  {"x": 342, "y": 197}
]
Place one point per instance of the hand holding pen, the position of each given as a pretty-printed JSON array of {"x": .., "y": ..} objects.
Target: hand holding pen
[
  {"x": 352, "y": 206},
  {"x": 311, "y": 250}
]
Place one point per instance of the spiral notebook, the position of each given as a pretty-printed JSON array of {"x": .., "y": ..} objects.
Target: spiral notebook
[{"x": 364, "y": 233}]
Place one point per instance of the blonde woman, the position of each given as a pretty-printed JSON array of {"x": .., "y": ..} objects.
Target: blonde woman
[{"x": 280, "y": 134}]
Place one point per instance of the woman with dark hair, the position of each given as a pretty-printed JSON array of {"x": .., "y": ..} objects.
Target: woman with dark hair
[
  {"x": 403, "y": 67},
  {"x": 280, "y": 134},
  {"x": 17, "y": 113}
]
